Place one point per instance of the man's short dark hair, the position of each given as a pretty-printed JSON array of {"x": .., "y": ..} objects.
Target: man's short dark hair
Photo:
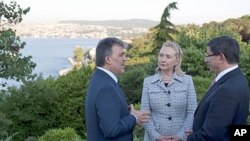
[
  {"x": 226, "y": 45},
  {"x": 104, "y": 49}
]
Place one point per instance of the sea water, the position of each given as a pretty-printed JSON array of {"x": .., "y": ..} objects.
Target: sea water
[{"x": 51, "y": 54}]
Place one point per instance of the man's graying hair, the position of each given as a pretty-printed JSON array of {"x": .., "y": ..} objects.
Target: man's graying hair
[
  {"x": 226, "y": 45},
  {"x": 104, "y": 49}
]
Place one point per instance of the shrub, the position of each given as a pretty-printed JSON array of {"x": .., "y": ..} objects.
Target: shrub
[
  {"x": 31, "y": 108},
  {"x": 138, "y": 133},
  {"x": 201, "y": 85},
  {"x": 139, "y": 130},
  {"x": 5, "y": 124},
  {"x": 193, "y": 62},
  {"x": 131, "y": 83},
  {"x": 9, "y": 138},
  {"x": 67, "y": 134},
  {"x": 244, "y": 61},
  {"x": 71, "y": 90}
]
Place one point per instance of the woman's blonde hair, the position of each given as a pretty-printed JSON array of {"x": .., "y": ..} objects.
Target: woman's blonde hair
[{"x": 179, "y": 54}]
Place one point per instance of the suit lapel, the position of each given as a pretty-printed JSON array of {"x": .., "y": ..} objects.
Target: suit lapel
[
  {"x": 121, "y": 93},
  {"x": 218, "y": 83},
  {"x": 209, "y": 92},
  {"x": 116, "y": 86}
]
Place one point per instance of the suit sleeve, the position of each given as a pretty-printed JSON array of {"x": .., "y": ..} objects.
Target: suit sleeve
[
  {"x": 110, "y": 111},
  {"x": 145, "y": 105}
]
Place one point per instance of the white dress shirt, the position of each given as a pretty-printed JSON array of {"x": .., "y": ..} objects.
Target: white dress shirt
[
  {"x": 225, "y": 72},
  {"x": 109, "y": 73}
]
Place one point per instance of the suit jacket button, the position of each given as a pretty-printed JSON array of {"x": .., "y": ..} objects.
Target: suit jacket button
[
  {"x": 169, "y": 118},
  {"x": 168, "y": 104}
]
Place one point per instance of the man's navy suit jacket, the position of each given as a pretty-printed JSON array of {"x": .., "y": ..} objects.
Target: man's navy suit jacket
[
  {"x": 225, "y": 103},
  {"x": 107, "y": 113}
]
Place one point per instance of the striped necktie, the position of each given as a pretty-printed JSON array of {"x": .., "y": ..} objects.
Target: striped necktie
[{"x": 211, "y": 84}]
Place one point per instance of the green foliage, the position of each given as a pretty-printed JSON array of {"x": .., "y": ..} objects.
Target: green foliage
[
  {"x": 138, "y": 51},
  {"x": 162, "y": 32},
  {"x": 138, "y": 133},
  {"x": 240, "y": 25},
  {"x": 67, "y": 134},
  {"x": 197, "y": 36},
  {"x": 201, "y": 85},
  {"x": 133, "y": 90},
  {"x": 5, "y": 125},
  {"x": 132, "y": 80},
  {"x": 151, "y": 43},
  {"x": 193, "y": 39},
  {"x": 41, "y": 104},
  {"x": 139, "y": 47},
  {"x": 76, "y": 61},
  {"x": 191, "y": 36},
  {"x": 78, "y": 54},
  {"x": 32, "y": 108},
  {"x": 71, "y": 90},
  {"x": 13, "y": 65},
  {"x": 244, "y": 60},
  {"x": 198, "y": 68},
  {"x": 248, "y": 118},
  {"x": 12, "y": 12},
  {"x": 9, "y": 138},
  {"x": 139, "y": 130}
]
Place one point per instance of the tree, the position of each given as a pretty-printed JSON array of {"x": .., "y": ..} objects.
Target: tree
[
  {"x": 12, "y": 64},
  {"x": 162, "y": 32},
  {"x": 5, "y": 123},
  {"x": 78, "y": 57},
  {"x": 241, "y": 26},
  {"x": 32, "y": 109}
]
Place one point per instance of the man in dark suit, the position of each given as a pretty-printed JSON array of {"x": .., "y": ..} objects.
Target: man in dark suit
[
  {"x": 108, "y": 116},
  {"x": 227, "y": 100}
]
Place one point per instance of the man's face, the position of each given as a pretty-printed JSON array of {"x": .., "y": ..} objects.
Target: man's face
[
  {"x": 212, "y": 60},
  {"x": 117, "y": 60}
]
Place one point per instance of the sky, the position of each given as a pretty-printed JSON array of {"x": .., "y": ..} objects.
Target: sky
[{"x": 189, "y": 11}]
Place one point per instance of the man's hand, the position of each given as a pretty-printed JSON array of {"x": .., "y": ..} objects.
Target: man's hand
[
  {"x": 187, "y": 133},
  {"x": 141, "y": 116}
]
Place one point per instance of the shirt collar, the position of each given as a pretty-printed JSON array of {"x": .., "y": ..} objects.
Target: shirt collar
[
  {"x": 109, "y": 73},
  {"x": 224, "y": 72}
]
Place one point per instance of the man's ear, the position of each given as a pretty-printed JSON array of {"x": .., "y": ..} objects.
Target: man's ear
[
  {"x": 107, "y": 59},
  {"x": 223, "y": 57}
]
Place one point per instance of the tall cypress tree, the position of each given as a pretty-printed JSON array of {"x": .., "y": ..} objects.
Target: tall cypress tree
[{"x": 162, "y": 32}]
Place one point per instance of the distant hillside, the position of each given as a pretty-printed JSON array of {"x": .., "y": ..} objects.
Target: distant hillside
[{"x": 118, "y": 23}]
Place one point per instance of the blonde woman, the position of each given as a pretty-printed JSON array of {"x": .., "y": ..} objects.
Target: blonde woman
[{"x": 170, "y": 97}]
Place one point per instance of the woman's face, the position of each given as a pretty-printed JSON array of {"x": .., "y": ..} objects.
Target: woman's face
[{"x": 167, "y": 59}]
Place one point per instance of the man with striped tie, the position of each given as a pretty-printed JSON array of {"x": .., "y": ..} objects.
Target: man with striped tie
[{"x": 226, "y": 103}]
